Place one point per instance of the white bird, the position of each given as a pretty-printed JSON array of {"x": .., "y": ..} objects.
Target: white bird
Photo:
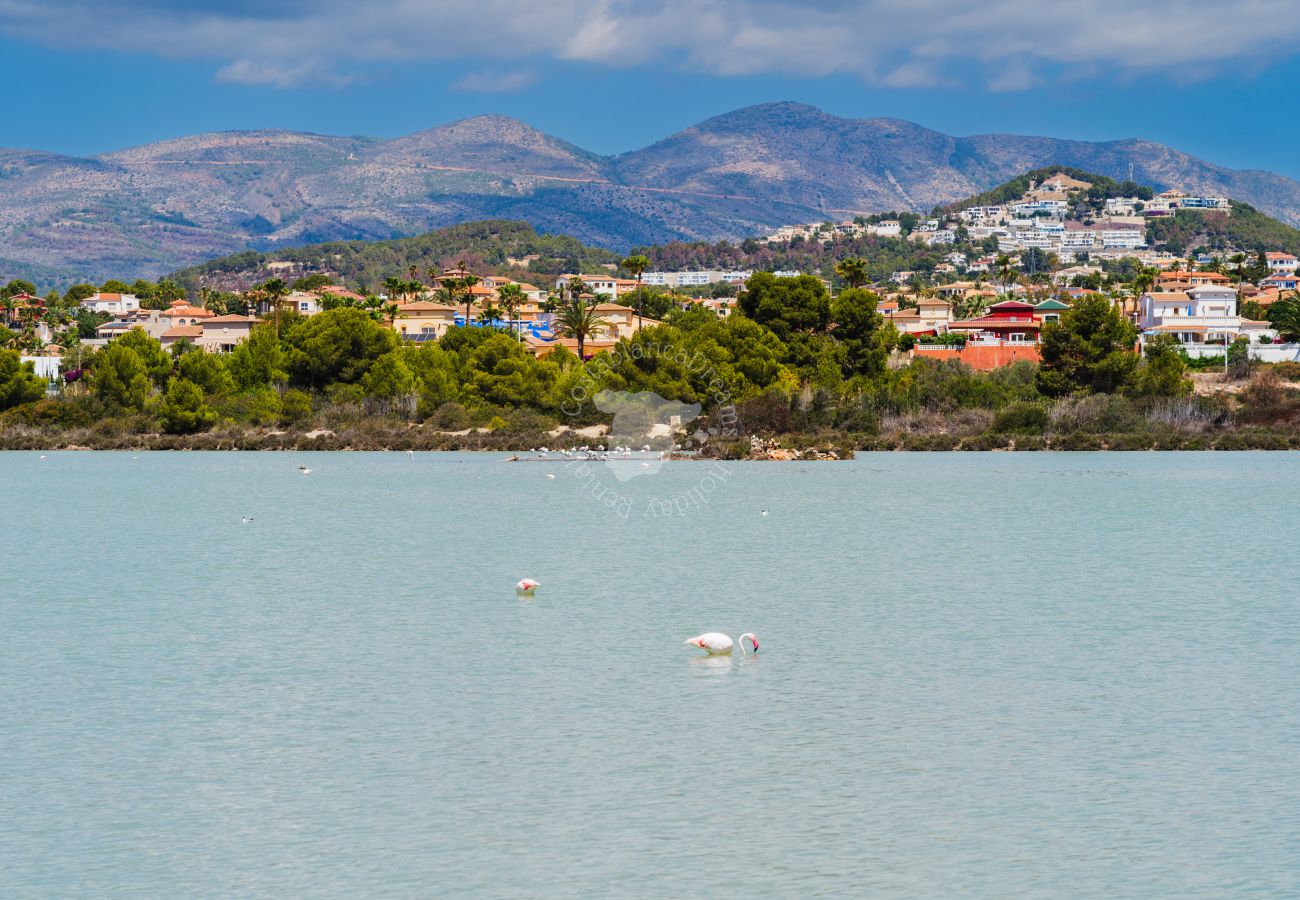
[
  {"x": 42, "y": 456},
  {"x": 550, "y": 475},
  {"x": 764, "y": 512},
  {"x": 304, "y": 470},
  {"x": 716, "y": 643},
  {"x": 645, "y": 465},
  {"x": 410, "y": 454},
  {"x": 245, "y": 519},
  {"x": 526, "y": 587}
]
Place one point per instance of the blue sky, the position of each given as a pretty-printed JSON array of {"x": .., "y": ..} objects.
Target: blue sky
[{"x": 1214, "y": 79}]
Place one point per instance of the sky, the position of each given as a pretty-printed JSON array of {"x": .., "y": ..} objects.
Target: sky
[{"x": 1215, "y": 79}]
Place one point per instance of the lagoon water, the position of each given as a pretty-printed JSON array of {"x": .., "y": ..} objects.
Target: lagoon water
[{"x": 981, "y": 675}]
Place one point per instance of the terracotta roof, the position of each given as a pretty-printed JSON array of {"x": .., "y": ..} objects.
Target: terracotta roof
[
  {"x": 1159, "y": 296},
  {"x": 194, "y": 312},
  {"x": 426, "y": 306},
  {"x": 998, "y": 321},
  {"x": 184, "y": 331},
  {"x": 232, "y": 319}
]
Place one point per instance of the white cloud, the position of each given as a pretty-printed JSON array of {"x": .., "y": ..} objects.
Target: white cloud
[
  {"x": 495, "y": 82},
  {"x": 309, "y": 72},
  {"x": 291, "y": 43}
]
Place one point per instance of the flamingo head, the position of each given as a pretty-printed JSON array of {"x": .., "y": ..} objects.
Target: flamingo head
[
  {"x": 752, "y": 638},
  {"x": 692, "y": 642}
]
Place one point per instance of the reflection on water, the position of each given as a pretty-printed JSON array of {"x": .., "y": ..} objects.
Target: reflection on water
[
  {"x": 974, "y": 681},
  {"x": 711, "y": 665}
]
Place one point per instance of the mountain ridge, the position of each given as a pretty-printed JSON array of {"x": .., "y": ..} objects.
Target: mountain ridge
[{"x": 156, "y": 207}]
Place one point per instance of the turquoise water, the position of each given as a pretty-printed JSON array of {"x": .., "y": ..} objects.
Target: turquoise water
[{"x": 981, "y": 675}]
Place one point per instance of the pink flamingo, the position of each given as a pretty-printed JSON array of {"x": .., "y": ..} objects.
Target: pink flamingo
[{"x": 715, "y": 643}]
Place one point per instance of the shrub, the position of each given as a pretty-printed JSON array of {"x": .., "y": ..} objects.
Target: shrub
[
  {"x": 450, "y": 417},
  {"x": 1096, "y": 414},
  {"x": 295, "y": 407},
  {"x": 1027, "y": 418}
]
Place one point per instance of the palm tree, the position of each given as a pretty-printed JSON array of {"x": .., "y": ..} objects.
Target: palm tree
[
  {"x": 488, "y": 314},
  {"x": 1006, "y": 271},
  {"x": 511, "y": 297},
  {"x": 1284, "y": 315},
  {"x": 971, "y": 307},
  {"x": 577, "y": 287},
  {"x": 1239, "y": 268},
  {"x": 579, "y": 320},
  {"x": 275, "y": 291},
  {"x": 1143, "y": 281},
  {"x": 637, "y": 265},
  {"x": 467, "y": 283},
  {"x": 393, "y": 287},
  {"x": 853, "y": 270}
]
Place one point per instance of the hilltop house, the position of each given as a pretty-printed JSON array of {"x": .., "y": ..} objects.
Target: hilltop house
[
  {"x": 111, "y": 303},
  {"x": 613, "y": 287},
  {"x": 1281, "y": 262},
  {"x": 1202, "y": 314}
]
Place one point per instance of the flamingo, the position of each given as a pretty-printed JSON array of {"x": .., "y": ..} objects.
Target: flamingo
[
  {"x": 526, "y": 587},
  {"x": 715, "y": 643}
]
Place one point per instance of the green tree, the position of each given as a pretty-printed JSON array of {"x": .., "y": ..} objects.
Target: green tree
[
  {"x": 1089, "y": 350},
  {"x": 18, "y": 286},
  {"x": 786, "y": 305},
  {"x": 207, "y": 370},
  {"x": 77, "y": 293},
  {"x": 339, "y": 345},
  {"x": 184, "y": 410},
  {"x": 579, "y": 320},
  {"x": 157, "y": 362},
  {"x": 1163, "y": 372},
  {"x": 119, "y": 377},
  {"x": 259, "y": 361},
  {"x": 19, "y": 382},
  {"x": 862, "y": 330},
  {"x": 390, "y": 377}
]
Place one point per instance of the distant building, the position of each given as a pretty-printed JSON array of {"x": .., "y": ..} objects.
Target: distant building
[{"x": 111, "y": 303}]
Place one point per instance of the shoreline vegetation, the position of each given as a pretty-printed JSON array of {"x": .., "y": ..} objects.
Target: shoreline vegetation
[{"x": 809, "y": 376}]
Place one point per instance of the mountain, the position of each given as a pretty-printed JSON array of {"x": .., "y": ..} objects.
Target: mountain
[
  {"x": 151, "y": 209},
  {"x": 503, "y": 247}
]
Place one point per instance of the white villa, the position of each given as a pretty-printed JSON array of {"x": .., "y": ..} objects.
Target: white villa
[{"x": 1198, "y": 315}]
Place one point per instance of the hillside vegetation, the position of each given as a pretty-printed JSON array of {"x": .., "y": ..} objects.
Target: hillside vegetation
[{"x": 487, "y": 245}]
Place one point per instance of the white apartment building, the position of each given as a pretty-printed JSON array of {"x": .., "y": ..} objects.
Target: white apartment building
[
  {"x": 111, "y": 303},
  {"x": 1113, "y": 237},
  {"x": 694, "y": 279}
]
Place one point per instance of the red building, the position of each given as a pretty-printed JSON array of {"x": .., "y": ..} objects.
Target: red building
[{"x": 1013, "y": 321}]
